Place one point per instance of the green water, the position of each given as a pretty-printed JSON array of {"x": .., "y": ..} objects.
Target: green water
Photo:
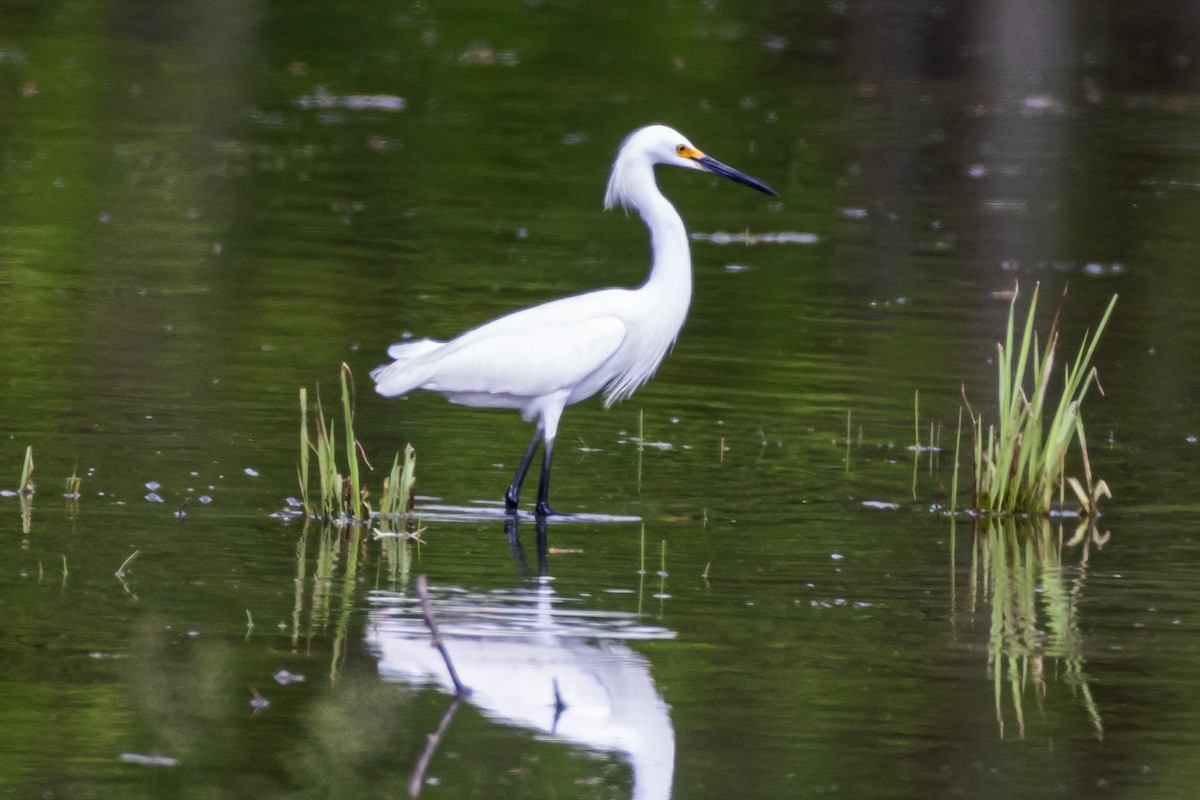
[{"x": 196, "y": 221}]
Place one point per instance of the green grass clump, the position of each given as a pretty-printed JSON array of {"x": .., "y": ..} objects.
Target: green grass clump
[
  {"x": 397, "y": 497},
  {"x": 1020, "y": 462},
  {"x": 341, "y": 495}
]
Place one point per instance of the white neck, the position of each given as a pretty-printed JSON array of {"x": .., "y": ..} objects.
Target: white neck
[
  {"x": 632, "y": 185},
  {"x": 667, "y": 292}
]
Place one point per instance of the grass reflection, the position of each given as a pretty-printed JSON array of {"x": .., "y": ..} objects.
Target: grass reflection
[
  {"x": 328, "y": 594},
  {"x": 1020, "y": 575}
]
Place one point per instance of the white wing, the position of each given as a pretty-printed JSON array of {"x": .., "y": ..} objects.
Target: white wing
[
  {"x": 525, "y": 362},
  {"x": 529, "y": 353}
]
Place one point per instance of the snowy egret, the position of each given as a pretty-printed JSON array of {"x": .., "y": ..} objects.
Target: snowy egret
[{"x": 539, "y": 360}]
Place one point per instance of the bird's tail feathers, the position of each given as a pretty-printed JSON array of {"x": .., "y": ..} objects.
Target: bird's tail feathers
[
  {"x": 402, "y": 351},
  {"x": 395, "y": 379}
]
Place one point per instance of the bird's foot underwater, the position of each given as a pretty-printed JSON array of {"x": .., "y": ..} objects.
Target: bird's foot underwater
[
  {"x": 543, "y": 509},
  {"x": 540, "y": 510}
]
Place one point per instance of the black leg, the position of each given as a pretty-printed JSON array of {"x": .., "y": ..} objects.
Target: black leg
[
  {"x": 513, "y": 496},
  {"x": 543, "y": 508}
]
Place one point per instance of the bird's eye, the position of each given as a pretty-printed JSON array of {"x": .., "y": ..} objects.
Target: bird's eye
[{"x": 682, "y": 149}]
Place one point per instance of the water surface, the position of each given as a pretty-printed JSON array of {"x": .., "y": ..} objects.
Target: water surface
[{"x": 210, "y": 206}]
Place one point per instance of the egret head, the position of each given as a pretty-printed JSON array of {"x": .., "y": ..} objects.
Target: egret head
[{"x": 632, "y": 171}]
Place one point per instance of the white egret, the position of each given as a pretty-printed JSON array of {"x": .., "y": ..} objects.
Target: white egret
[{"x": 539, "y": 360}]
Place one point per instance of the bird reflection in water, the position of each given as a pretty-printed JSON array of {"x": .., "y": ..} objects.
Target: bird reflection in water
[{"x": 534, "y": 660}]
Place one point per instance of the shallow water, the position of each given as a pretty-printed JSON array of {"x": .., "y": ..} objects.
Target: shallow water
[{"x": 209, "y": 207}]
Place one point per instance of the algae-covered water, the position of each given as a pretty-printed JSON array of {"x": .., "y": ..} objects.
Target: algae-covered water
[{"x": 205, "y": 207}]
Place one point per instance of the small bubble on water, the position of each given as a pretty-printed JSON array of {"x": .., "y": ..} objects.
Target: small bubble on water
[
  {"x": 153, "y": 486},
  {"x": 205, "y": 499},
  {"x": 251, "y": 471},
  {"x": 153, "y": 498}
]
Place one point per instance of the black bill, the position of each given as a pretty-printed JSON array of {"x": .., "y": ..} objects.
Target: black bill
[{"x": 717, "y": 168}]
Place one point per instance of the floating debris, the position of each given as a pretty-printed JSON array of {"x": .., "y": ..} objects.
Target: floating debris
[
  {"x": 153, "y": 498},
  {"x": 148, "y": 760},
  {"x": 322, "y": 99},
  {"x": 153, "y": 486},
  {"x": 784, "y": 237},
  {"x": 1096, "y": 269},
  {"x": 881, "y": 504},
  {"x": 839, "y": 602},
  {"x": 251, "y": 471},
  {"x": 1005, "y": 204},
  {"x": 481, "y": 54},
  {"x": 258, "y": 702},
  {"x": 283, "y": 677},
  {"x": 1042, "y": 104}
]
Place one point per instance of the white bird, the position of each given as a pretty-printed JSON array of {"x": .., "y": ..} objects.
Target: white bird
[{"x": 542, "y": 359}]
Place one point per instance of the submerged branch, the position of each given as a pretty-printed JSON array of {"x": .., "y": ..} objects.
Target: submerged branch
[
  {"x": 431, "y": 623},
  {"x": 417, "y": 779}
]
